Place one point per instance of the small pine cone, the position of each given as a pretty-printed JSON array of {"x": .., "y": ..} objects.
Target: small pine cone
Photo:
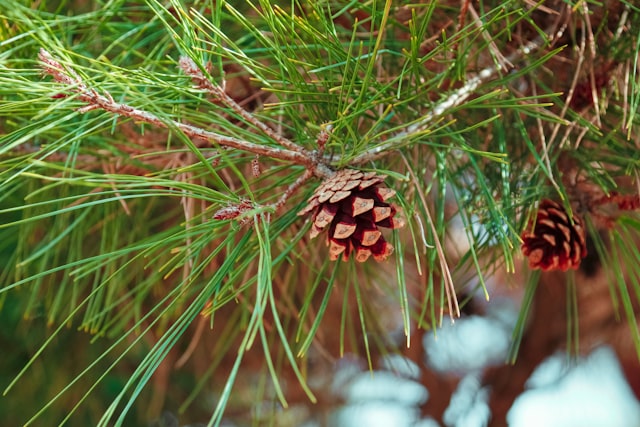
[
  {"x": 352, "y": 205},
  {"x": 554, "y": 242}
]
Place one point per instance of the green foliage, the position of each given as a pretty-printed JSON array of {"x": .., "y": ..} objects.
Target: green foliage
[{"x": 106, "y": 222}]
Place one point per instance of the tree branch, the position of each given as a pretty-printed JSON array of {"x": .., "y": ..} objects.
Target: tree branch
[
  {"x": 455, "y": 99},
  {"x": 197, "y": 76},
  {"x": 106, "y": 102}
]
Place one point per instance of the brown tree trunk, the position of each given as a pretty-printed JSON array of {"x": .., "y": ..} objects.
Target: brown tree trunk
[{"x": 545, "y": 333}]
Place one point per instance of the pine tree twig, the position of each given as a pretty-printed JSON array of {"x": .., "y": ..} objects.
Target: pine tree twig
[
  {"x": 499, "y": 57},
  {"x": 292, "y": 188},
  {"x": 255, "y": 166},
  {"x": 94, "y": 100},
  {"x": 323, "y": 137},
  {"x": 464, "y": 7},
  {"x": 234, "y": 210},
  {"x": 455, "y": 99},
  {"x": 625, "y": 202},
  {"x": 197, "y": 76},
  {"x": 238, "y": 210}
]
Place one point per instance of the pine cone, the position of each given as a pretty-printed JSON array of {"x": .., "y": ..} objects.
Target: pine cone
[
  {"x": 554, "y": 242},
  {"x": 353, "y": 205}
]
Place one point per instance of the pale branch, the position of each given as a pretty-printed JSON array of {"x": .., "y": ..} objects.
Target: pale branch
[
  {"x": 491, "y": 44},
  {"x": 95, "y": 100},
  {"x": 454, "y": 100},
  {"x": 323, "y": 137},
  {"x": 197, "y": 76},
  {"x": 291, "y": 189},
  {"x": 238, "y": 210}
]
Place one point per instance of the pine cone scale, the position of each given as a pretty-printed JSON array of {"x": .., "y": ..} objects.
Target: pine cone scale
[
  {"x": 325, "y": 216},
  {"x": 336, "y": 248},
  {"x": 381, "y": 212},
  {"x": 325, "y": 195},
  {"x": 344, "y": 230},
  {"x": 549, "y": 238},
  {"x": 350, "y": 185},
  {"x": 339, "y": 195},
  {"x": 368, "y": 237},
  {"x": 369, "y": 183},
  {"x": 358, "y": 205}
]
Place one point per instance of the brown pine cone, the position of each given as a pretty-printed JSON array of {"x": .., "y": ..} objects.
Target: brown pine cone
[
  {"x": 553, "y": 242},
  {"x": 353, "y": 205}
]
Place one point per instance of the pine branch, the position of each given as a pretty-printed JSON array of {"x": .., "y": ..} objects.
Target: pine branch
[
  {"x": 292, "y": 188},
  {"x": 457, "y": 98},
  {"x": 191, "y": 69},
  {"x": 106, "y": 102}
]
